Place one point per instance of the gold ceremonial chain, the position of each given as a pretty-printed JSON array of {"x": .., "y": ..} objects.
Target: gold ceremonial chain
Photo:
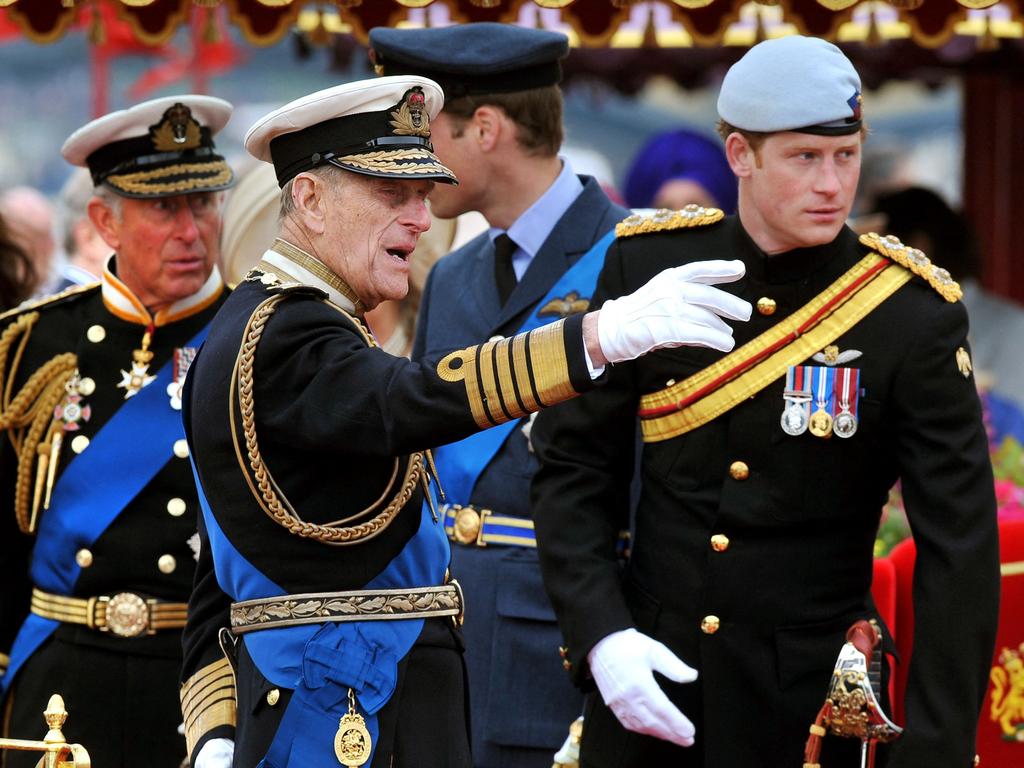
[
  {"x": 28, "y": 418},
  {"x": 265, "y": 489}
]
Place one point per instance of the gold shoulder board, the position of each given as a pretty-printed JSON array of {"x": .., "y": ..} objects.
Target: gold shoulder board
[
  {"x": 664, "y": 220},
  {"x": 915, "y": 261},
  {"x": 45, "y": 301}
]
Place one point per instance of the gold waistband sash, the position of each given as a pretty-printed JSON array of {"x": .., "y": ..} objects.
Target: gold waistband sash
[
  {"x": 709, "y": 393},
  {"x": 355, "y": 605}
]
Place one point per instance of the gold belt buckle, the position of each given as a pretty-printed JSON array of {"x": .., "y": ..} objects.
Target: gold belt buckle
[
  {"x": 469, "y": 525},
  {"x": 126, "y": 614}
]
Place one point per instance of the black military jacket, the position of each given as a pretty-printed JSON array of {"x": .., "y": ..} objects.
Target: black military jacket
[
  {"x": 800, "y": 521},
  {"x": 334, "y": 418},
  {"x": 157, "y": 523}
]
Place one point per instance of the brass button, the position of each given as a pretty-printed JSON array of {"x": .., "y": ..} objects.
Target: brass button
[
  {"x": 80, "y": 443},
  {"x": 176, "y": 507},
  {"x": 467, "y": 525},
  {"x": 181, "y": 448},
  {"x": 710, "y": 624},
  {"x": 566, "y": 665},
  {"x": 739, "y": 470},
  {"x": 166, "y": 563},
  {"x": 766, "y": 306},
  {"x": 86, "y": 386},
  {"x": 96, "y": 333},
  {"x": 84, "y": 558},
  {"x": 273, "y": 696},
  {"x": 719, "y": 542}
]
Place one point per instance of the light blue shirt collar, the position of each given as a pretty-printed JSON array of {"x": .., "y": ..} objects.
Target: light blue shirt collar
[{"x": 534, "y": 226}]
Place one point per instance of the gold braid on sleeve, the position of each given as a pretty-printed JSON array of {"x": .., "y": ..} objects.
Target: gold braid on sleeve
[
  {"x": 28, "y": 416},
  {"x": 265, "y": 490}
]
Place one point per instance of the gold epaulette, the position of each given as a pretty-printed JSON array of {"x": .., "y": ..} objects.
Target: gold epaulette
[
  {"x": 25, "y": 306},
  {"x": 208, "y": 700},
  {"x": 664, "y": 220},
  {"x": 915, "y": 261}
]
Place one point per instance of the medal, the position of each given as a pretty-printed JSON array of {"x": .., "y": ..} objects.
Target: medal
[
  {"x": 845, "y": 423},
  {"x": 183, "y": 357},
  {"x": 352, "y": 744},
  {"x": 72, "y": 410},
  {"x": 139, "y": 376},
  {"x": 796, "y": 413},
  {"x": 821, "y": 419}
]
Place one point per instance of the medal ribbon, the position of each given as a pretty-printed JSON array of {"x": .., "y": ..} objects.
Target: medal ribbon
[{"x": 849, "y": 386}]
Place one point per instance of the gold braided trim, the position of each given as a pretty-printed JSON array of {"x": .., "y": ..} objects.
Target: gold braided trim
[
  {"x": 261, "y": 482},
  {"x": 208, "y": 700},
  {"x": 353, "y": 605},
  {"x": 915, "y": 260},
  {"x": 312, "y": 264},
  {"x": 25, "y": 306},
  {"x": 509, "y": 378},
  {"x": 28, "y": 416},
  {"x": 140, "y": 182},
  {"x": 389, "y": 161},
  {"x": 664, "y": 220},
  {"x": 736, "y": 391}
]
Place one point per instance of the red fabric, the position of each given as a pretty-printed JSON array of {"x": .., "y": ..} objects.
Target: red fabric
[
  {"x": 883, "y": 590},
  {"x": 1001, "y": 725}
]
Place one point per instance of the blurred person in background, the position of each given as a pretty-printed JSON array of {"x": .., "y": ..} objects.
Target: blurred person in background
[
  {"x": 680, "y": 167},
  {"x": 17, "y": 275},
  {"x": 501, "y": 132},
  {"x": 85, "y": 251},
  {"x": 29, "y": 216}
]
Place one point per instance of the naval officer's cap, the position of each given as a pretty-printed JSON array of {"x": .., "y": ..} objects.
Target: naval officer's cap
[
  {"x": 467, "y": 59},
  {"x": 158, "y": 148},
  {"x": 792, "y": 83},
  {"x": 378, "y": 127}
]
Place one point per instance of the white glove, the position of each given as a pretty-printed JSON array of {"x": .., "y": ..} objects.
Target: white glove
[
  {"x": 216, "y": 753},
  {"x": 677, "y": 307},
  {"x": 623, "y": 665}
]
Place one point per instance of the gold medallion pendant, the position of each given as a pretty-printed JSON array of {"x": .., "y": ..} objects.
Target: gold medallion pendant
[{"x": 352, "y": 743}]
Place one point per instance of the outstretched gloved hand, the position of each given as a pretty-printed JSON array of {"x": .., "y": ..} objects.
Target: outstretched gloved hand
[
  {"x": 623, "y": 666},
  {"x": 677, "y": 307},
  {"x": 216, "y": 753}
]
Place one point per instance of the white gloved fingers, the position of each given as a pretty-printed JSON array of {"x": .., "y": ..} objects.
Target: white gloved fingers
[
  {"x": 715, "y": 300},
  {"x": 659, "y": 717},
  {"x": 712, "y": 271},
  {"x": 216, "y": 753},
  {"x": 696, "y": 335},
  {"x": 671, "y": 666},
  {"x": 691, "y": 314}
]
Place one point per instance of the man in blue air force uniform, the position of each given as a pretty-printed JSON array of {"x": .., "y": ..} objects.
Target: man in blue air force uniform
[
  {"x": 765, "y": 471},
  {"x": 97, "y": 501},
  {"x": 500, "y": 131},
  {"x": 310, "y": 446}
]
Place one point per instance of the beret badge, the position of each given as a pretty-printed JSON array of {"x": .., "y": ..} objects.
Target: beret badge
[
  {"x": 177, "y": 130},
  {"x": 411, "y": 118},
  {"x": 855, "y": 102}
]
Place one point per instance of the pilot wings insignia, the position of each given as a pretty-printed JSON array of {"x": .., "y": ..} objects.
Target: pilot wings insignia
[
  {"x": 570, "y": 305},
  {"x": 832, "y": 356}
]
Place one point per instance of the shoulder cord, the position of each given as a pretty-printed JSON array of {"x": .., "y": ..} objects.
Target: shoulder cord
[
  {"x": 265, "y": 489},
  {"x": 28, "y": 416}
]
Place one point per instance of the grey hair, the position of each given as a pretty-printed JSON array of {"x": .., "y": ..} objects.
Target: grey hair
[
  {"x": 109, "y": 198},
  {"x": 332, "y": 175}
]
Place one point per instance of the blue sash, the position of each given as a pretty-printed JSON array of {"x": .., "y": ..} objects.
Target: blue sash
[
  {"x": 81, "y": 508},
  {"x": 459, "y": 464},
  {"x": 321, "y": 662}
]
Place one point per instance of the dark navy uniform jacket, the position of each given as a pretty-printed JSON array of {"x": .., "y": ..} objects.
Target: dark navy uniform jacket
[
  {"x": 800, "y": 522},
  {"x": 518, "y": 694},
  {"x": 80, "y": 663}
]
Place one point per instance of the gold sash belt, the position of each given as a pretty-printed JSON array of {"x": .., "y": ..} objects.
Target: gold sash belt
[
  {"x": 124, "y": 614},
  {"x": 356, "y": 605},
  {"x": 744, "y": 372}
]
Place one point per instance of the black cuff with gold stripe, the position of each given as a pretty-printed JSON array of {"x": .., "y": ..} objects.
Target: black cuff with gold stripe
[
  {"x": 510, "y": 378},
  {"x": 208, "y": 705}
]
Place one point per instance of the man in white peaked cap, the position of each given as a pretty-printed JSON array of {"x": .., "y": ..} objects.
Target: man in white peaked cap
[
  {"x": 98, "y": 506},
  {"x": 323, "y": 567}
]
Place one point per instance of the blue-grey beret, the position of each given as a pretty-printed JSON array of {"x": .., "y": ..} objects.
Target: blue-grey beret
[
  {"x": 792, "y": 83},
  {"x": 484, "y": 57}
]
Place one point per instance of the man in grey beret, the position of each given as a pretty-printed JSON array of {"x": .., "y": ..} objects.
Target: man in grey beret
[{"x": 765, "y": 470}]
